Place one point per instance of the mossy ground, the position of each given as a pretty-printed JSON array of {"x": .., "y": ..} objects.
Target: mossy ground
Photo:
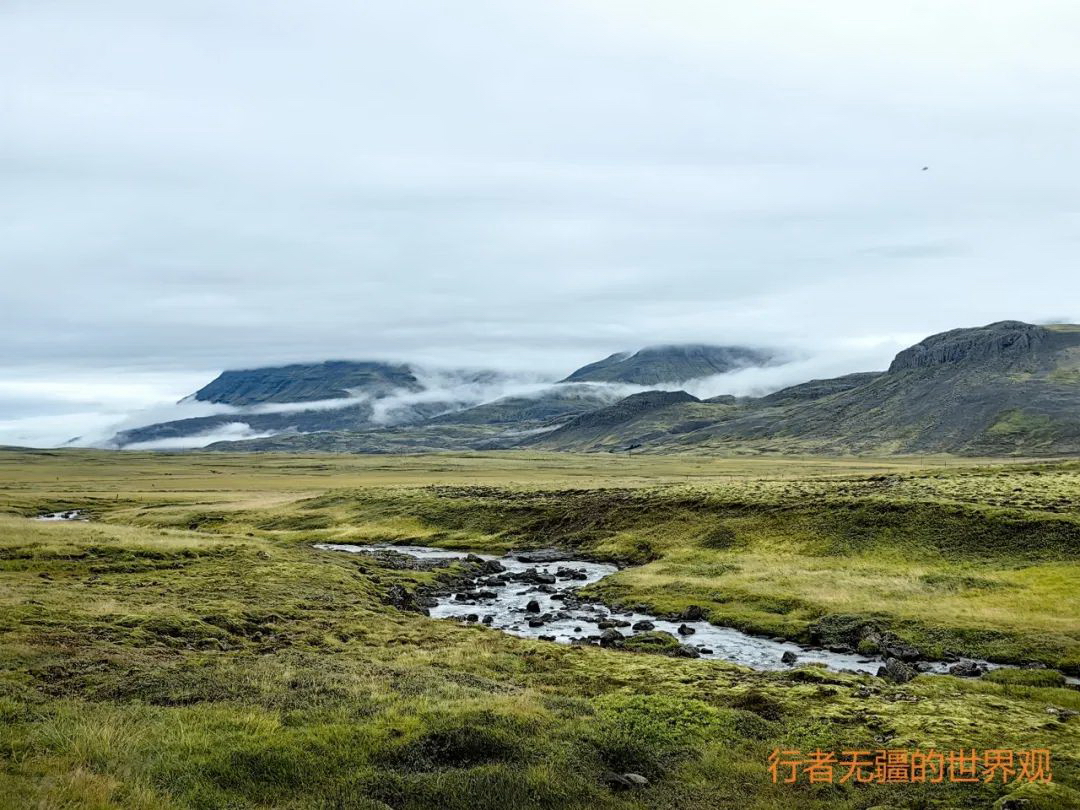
[{"x": 189, "y": 648}]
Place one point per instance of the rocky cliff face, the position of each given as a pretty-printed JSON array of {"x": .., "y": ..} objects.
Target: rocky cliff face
[{"x": 996, "y": 343}]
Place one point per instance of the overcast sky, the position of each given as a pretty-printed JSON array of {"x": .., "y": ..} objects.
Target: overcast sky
[{"x": 190, "y": 186}]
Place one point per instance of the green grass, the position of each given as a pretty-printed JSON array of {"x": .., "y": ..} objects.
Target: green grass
[{"x": 190, "y": 649}]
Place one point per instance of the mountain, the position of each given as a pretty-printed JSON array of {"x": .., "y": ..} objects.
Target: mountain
[
  {"x": 657, "y": 365},
  {"x": 1005, "y": 388},
  {"x": 1008, "y": 388},
  {"x": 334, "y": 379},
  {"x": 332, "y": 396}
]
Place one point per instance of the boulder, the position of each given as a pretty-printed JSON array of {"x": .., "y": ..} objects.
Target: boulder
[
  {"x": 898, "y": 648},
  {"x": 686, "y": 651},
  {"x": 532, "y": 607},
  {"x": 896, "y": 670},
  {"x": 398, "y": 597},
  {"x": 611, "y": 638},
  {"x": 967, "y": 669},
  {"x": 789, "y": 657},
  {"x": 685, "y": 630},
  {"x": 643, "y": 625}
]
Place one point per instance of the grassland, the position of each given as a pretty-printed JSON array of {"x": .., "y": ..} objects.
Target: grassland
[{"x": 189, "y": 648}]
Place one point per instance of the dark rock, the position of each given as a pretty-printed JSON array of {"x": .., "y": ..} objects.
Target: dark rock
[
  {"x": 967, "y": 669},
  {"x": 643, "y": 625},
  {"x": 545, "y": 555},
  {"x": 546, "y": 638},
  {"x": 704, "y": 650},
  {"x": 898, "y": 648},
  {"x": 489, "y": 619},
  {"x": 534, "y": 577},
  {"x": 533, "y": 606},
  {"x": 693, "y": 613},
  {"x": 789, "y": 657},
  {"x": 536, "y": 622},
  {"x": 472, "y": 617},
  {"x": 896, "y": 670},
  {"x": 611, "y": 638},
  {"x": 684, "y": 630},
  {"x": 685, "y": 651},
  {"x": 398, "y": 597}
]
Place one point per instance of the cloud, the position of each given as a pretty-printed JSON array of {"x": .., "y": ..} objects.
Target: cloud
[{"x": 233, "y": 431}]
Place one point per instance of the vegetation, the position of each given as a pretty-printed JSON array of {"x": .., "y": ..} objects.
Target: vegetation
[{"x": 187, "y": 647}]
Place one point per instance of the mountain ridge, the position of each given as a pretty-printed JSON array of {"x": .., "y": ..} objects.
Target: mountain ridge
[
  {"x": 377, "y": 387},
  {"x": 1006, "y": 388}
]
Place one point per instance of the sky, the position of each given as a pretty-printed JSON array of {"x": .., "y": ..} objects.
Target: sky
[{"x": 192, "y": 186}]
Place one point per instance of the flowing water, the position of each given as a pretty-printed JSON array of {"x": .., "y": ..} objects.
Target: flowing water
[
  {"x": 505, "y": 606},
  {"x": 71, "y": 514}
]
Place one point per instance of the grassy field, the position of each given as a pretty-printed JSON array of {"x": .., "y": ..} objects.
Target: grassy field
[{"x": 189, "y": 648}]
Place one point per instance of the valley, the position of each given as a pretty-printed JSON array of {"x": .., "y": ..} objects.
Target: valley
[{"x": 189, "y": 644}]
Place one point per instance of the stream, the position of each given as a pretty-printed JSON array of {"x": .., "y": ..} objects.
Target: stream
[{"x": 502, "y": 600}]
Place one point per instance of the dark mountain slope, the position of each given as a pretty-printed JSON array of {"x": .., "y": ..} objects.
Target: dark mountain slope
[
  {"x": 1005, "y": 388},
  {"x": 333, "y": 379},
  {"x": 1009, "y": 387},
  {"x": 816, "y": 389},
  {"x": 670, "y": 364},
  {"x": 632, "y": 420},
  {"x": 560, "y": 402}
]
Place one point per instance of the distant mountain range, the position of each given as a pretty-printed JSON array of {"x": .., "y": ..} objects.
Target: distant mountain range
[
  {"x": 1005, "y": 388},
  {"x": 367, "y": 395}
]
